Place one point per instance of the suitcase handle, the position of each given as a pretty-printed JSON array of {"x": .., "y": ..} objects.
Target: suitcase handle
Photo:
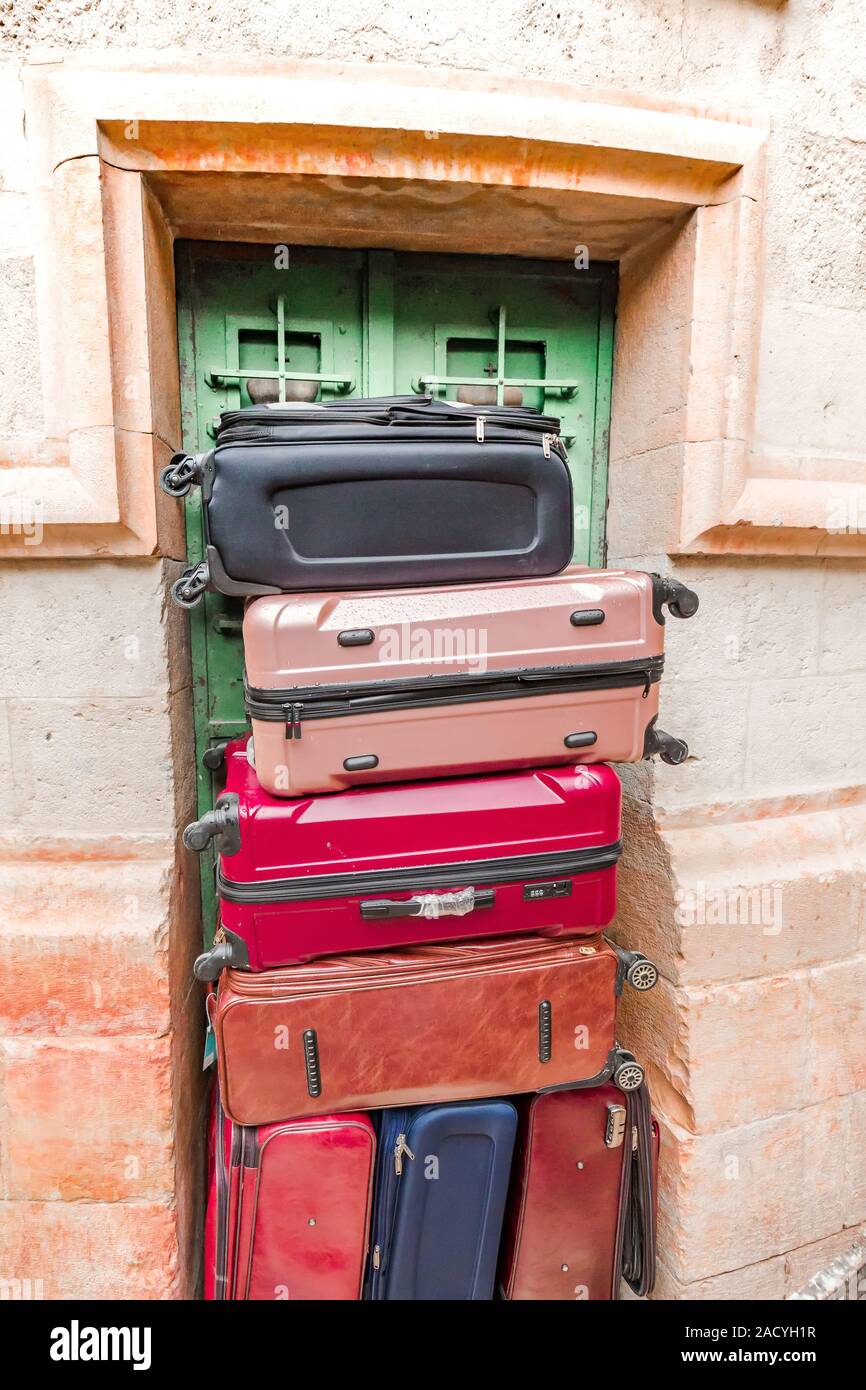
[{"x": 430, "y": 905}]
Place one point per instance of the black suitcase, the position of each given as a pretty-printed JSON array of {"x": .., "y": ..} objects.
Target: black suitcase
[{"x": 381, "y": 493}]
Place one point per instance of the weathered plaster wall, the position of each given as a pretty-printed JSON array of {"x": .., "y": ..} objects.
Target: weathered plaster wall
[{"x": 755, "y": 1038}]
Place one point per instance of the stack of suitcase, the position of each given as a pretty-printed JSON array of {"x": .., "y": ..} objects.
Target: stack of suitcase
[{"x": 413, "y": 1005}]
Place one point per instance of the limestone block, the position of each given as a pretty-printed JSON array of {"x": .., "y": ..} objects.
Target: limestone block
[
  {"x": 760, "y": 1283},
  {"x": 803, "y": 1264},
  {"x": 84, "y": 631},
  {"x": 644, "y": 498},
  {"x": 714, "y": 729},
  {"x": 843, "y": 605},
  {"x": 91, "y": 767},
  {"x": 20, "y": 397},
  {"x": 803, "y": 62},
  {"x": 744, "y": 1195},
  {"x": 87, "y": 1119},
  {"x": 810, "y": 378},
  {"x": 761, "y": 619},
  {"x": 855, "y": 1168},
  {"x": 91, "y": 1250},
  {"x": 86, "y": 946},
  {"x": 791, "y": 745},
  {"x": 838, "y": 1028},
  {"x": 815, "y": 221},
  {"x": 732, "y": 1054},
  {"x": 774, "y": 892}
]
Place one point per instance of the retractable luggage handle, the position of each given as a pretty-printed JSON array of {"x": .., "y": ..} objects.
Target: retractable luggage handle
[{"x": 432, "y": 905}]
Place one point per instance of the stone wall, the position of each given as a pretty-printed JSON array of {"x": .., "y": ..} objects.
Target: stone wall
[{"x": 754, "y": 1035}]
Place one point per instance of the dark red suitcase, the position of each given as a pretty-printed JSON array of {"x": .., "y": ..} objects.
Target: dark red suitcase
[
  {"x": 581, "y": 1211},
  {"x": 288, "y": 1213},
  {"x": 386, "y": 866}
]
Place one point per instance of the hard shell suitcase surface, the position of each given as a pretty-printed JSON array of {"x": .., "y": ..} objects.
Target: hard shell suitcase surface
[
  {"x": 411, "y": 1027},
  {"x": 385, "y": 866},
  {"x": 581, "y": 1210},
  {"x": 441, "y": 1183},
  {"x": 376, "y": 492},
  {"x": 288, "y": 1213},
  {"x": 343, "y": 689}
]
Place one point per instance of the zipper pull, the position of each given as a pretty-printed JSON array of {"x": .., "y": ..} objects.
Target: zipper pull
[
  {"x": 289, "y": 716},
  {"x": 545, "y": 444},
  {"x": 646, "y": 686},
  {"x": 377, "y": 1256},
  {"x": 479, "y": 428},
  {"x": 296, "y": 719},
  {"x": 634, "y": 1139},
  {"x": 401, "y": 1148}
]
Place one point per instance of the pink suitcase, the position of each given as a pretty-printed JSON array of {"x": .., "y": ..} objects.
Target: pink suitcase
[
  {"x": 288, "y": 1211},
  {"x": 391, "y": 685},
  {"x": 387, "y": 866}
]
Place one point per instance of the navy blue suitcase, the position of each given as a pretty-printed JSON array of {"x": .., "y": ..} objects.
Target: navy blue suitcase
[{"x": 441, "y": 1186}]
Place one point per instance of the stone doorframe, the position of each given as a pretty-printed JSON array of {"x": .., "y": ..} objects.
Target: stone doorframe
[{"x": 131, "y": 153}]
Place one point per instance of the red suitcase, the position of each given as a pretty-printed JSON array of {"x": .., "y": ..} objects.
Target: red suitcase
[
  {"x": 392, "y": 685},
  {"x": 288, "y": 1212},
  {"x": 581, "y": 1211},
  {"x": 384, "y": 866},
  {"x": 414, "y": 1027}
]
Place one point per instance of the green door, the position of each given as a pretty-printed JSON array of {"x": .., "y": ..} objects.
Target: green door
[{"x": 309, "y": 323}]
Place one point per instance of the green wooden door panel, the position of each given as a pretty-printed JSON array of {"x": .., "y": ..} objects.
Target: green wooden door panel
[
  {"x": 371, "y": 323},
  {"x": 454, "y": 314}
]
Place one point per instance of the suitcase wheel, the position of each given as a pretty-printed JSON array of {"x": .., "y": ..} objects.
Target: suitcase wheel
[
  {"x": 214, "y": 758},
  {"x": 681, "y": 601},
  {"x": 628, "y": 1076},
  {"x": 642, "y": 974},
  {"x": 222, "y": 825},
  {"x": 187, "y": 591},
  {"x": 177, "y": 477},
  {"x": 685, "y": 602},
  {"x": 672, "y": 751},
  {"x": 210, "y": 965}
]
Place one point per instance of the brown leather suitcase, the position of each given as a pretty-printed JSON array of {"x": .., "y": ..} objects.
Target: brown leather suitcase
[
  {"x": 581, "y": 1211},
  {"x": 410, "y": 1027}
]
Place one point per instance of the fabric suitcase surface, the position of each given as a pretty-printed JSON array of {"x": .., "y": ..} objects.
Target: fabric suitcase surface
[
  {"x": 441, "y": 1184},
  {"x": 577, "y": 1210},
  {"x": 417, "y": 1026},
  {"x": 377, "y": 493},
  {"x": 288, "y": 1214},
  {"x": 384, "y": 866},
  {"x": 392, "y": 685}
]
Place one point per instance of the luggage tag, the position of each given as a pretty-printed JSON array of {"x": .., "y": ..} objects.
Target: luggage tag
[{"x": 210, "y": 1050}]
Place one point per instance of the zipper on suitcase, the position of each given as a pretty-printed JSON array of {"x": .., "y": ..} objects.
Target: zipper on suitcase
[
  {"x": 333, "y": 702},
  {"x": 401, "y": 1148},
  {"x": 466, "y": 874},
  {"x": 292, "y": 716}
]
